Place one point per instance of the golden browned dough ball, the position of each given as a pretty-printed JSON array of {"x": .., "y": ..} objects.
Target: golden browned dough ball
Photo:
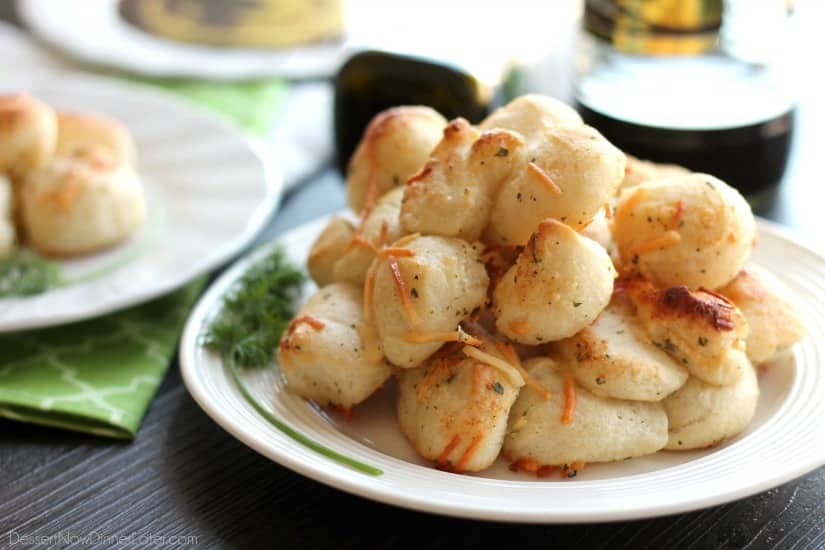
[
  {"x": 381, "y": 227},
  {"x": 639, "y": 171},
  {"x": 701, "y": 414},
  {"x": 559, "y": 284},
  {"x": 328, "y": 248},
  {"x": 7, "y": 230},
  {"x": 598, "y": 429},
  {"x": 395, "y": 145},
  {"x": 329, "y": 353},
  {"x": 692, "y": 230},
  {"x": 418, "y": 295},
  {"x": 453, "y": 410},
  {"x": 28, "y": 134},
  {"x": 78, "y": 132},
  {"x": 453, "y": 194},
  {"x": 530, "y": 115},
  {"x": 76, "y": 205},
  {"x": 767, "y": 305},
  {"x": 613, "y": 358},
  {"x": 569, "y": 174},
  {"x": 698, "y": 328}
]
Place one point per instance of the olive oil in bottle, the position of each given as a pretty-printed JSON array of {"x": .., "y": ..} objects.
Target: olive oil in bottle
[{"x": 676, "y": 82}]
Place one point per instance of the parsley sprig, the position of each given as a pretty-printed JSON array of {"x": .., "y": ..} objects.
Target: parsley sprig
[
  {"x": 24, "y": 273},
  {"x": 256, "y": 312},
  {"x": 247, "y": 329}
]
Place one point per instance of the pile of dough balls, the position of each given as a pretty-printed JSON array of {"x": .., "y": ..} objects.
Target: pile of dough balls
[
  {"x": 68, "y": 184},
  {"x": 536, "y": 294}
]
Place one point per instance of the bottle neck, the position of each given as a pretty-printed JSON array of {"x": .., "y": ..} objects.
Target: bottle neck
[{"x": 655, "y": 27}]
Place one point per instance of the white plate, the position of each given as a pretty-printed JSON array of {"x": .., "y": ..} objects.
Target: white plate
[
  {"x": 92, "y": 30},
  {"x": 209, "y": 193},
  {"x": 784, "y": 441}
]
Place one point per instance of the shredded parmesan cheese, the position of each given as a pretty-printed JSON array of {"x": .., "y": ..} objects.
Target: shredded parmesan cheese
[
  {"x": 668, "y": 239},
  {"x": 416, "y": 337},
  {"x": 511, "y": 356},
  {"x": 396, "y": 251},
  {"x": 445, "y": 454},
  {"x": 543, "y": 177},
  {"x": 401, "y": 287},
  {"x": 507, "y": 369},
  {"x": 469, "y": 452},
  {"x": 569, "y": 400}
]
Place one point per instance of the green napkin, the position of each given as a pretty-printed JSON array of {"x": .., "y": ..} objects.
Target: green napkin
[
  {"x": 96, "y": 376},
  {"x": 253, "y": 105}
]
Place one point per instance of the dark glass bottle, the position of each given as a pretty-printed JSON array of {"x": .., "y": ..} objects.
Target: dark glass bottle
[{"x": 691, "y": 83}]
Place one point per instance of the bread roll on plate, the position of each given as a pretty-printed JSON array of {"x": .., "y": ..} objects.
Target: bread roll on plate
[
  {"x": 329, "y": 354},
  {"x": 83, "y": 204},
  {"x": 395, "y": 145},
  {"x": 419, "y": 290},
  {"x": 559, "y": 284},
  {"x": 611, "y": 358},
  {"x": 597, "y": 430},
  {"x": 454, "y": 411},
  {"x": 569, "y": 174},
  {"x": 453, "y": 194},
  {"x": 701, "y": 415},
  {"x": 28, "y": 134},
  {"x": 78, "y": 132},
  {"x": 328, "y": 248},
  {"x": 692, "y": 230},
  {"x": 698, "y": 328},
  {"x": 530, "y": 115},
  {"x": 381, "y": 227},
  {"x": 771, "y": 314}
]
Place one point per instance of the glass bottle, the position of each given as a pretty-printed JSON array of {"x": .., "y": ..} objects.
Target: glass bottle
[{"x": 692, "y": 82}]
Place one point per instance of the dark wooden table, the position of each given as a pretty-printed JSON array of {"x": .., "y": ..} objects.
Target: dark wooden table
[{"x": 184, "y": 476}]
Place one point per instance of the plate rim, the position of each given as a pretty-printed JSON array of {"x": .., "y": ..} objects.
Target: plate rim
[
  {"x": 358, "y": 484},
  {"x": 260, "y": 63},
  {"x": 273, "y": 186}
]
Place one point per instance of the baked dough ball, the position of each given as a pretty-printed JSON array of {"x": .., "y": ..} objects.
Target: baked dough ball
[
  {"x": 692, "y": 230},
  {"x": 28, "y": 133},
  {"x": 78, "y": 133},
  {"x": 570, "y": 174},
  {"x": 771, "y": 314},
  {"x": 7, "y": 231},
  {"x": 613, "y": 358},
  {"x": 530, "y": 115},
  {"x": 599, "y": 230},
  {"x": 453, "y": 194},
  {"x": 701, "y": 415},
  {"x": 559, "y": 284},
  {"x": 599, "y": 430},
  {"x": 381, "y": 227},
  {"x": 415, "y": 298},
  {"x": 639, "y": 171},
  {"x": 395, "y": 145},
  {"x": 454, "y": 411},
  {"x": 329, "y": 354},
  {"x": 76, "y": 205},
  {"x": 698, "y": 328},
  {"x": 327, "y": 250}
]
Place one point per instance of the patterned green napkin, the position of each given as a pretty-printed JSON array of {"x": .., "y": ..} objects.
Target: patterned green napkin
[
  {"x": 253, "y": 105},
  {"x": 96, "y": 376}
]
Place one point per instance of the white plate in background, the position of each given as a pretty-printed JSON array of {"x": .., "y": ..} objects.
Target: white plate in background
[
  {"x": 94, "y": 31},
  {"x": 208, "y": 190},
  {"x": 784, "y": 441}
]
